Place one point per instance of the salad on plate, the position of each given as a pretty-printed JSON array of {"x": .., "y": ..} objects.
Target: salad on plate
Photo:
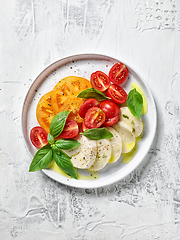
[{"x": 87, "y": 124}]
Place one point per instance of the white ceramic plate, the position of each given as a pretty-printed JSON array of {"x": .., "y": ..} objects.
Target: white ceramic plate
[{"x": 83, "y": 65}]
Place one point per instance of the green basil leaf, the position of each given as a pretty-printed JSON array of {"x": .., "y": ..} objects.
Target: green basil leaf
[
  {"x": 58, "y": 122},
  {"x": 97, "y": 133},
  {"x": 41, "y": 159},
  {"x": 93, "y": 93},
  {"x": 50, "y": 139},
  {"x": 135, "y": 103},
  {"x": 67, "y": 144},
  {"x": 64, "y": 162}
]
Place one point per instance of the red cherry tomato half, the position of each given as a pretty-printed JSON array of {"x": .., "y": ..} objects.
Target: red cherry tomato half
[
  {"x": 110, "y": 108},
  {"x": 110, "y": 121},
  {"x": 94, "y": 117},
  {"x": 70, "y": 130},
  {"x": 87, "y": 105},
  {"x": 84, "y": 127},
  {"x": 118, "y": 73},
  {"x": 100, "y": 81},
  {"x": 38, "y": 137},
  {"x": 117, "y": 94}
]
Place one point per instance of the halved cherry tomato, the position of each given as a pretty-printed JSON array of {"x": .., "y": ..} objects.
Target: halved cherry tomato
[
  {"x": 94, "y": 117},
  {"x": 84, "y": 127},
  {"x": 117, "y": 94},
  {"x": 110, "y": 121},
  {"x": 70, "y": 130},
  {"x": 99, "y": 81},
  {"x": 87, "y": 105},
  {"x": 38, "y": 137},
  {"x": 118, "y": 73},
  {"x": 110, "y": 108}
]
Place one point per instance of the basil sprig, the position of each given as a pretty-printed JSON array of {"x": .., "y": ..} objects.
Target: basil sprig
[
  {"x": 93, "y": 93},
  {"x": 45, "y": 155},
  {"x": 64, "y": 162},
  {"x": 135, "y": 103},
  {"x": 50, "y": 139},
  {"x": 58, "y": 122},
  {"x": 42, "y": 158},
  {"x": 67, "y": 144},
  {"x": 97, "y": 134}
]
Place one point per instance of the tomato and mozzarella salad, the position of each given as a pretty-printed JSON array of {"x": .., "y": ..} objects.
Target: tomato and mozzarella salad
[{"x": 92, "y": 112}]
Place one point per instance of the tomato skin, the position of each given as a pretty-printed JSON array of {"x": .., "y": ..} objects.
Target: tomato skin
[
  {"x": 38, "y": 137},
  {"x": 85, "y": 106},
  {"x": 118, "y": 73},
  {"x": 110, "y": 108},
  {"x": 84, "y": 127},
  {"x": 110, "y": 121},
  {"x": 94, "y": 117},
  {"x": 117, "y": 94},
  {"x": 100, "y": 81},
  {"x": 71, "y": 129}
]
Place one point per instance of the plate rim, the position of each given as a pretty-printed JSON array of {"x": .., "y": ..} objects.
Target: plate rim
[{"x": 45, "y": 73}]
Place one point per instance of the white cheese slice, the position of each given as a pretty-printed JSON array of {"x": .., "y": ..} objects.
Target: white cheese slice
[
  {"x": 74, "y": 151},
  {"x": 127, "y": 136},
  {"x": 116, "y": 144},
  {"x": 134, "y": 123},
  {"x": 86, "y": 153},
  {"x": 103, "y": 154}
]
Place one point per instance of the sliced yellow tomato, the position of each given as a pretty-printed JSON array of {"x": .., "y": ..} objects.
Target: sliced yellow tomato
[
  {"x": 70, "y": 103},
  {"x": 72, "y": 85},
  {"x": 44, "y": 111},
  {"x": 64, "y": 96}
]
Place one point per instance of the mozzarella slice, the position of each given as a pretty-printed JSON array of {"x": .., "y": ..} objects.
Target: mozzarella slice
[
  {"x": 86, "y": 153},
  {"x": 74, "y": 151},
  {"x": 134, "y": 123},
  {"x": 127, "y": 136},
  {"x": 103, "y": 154},
  {"x": 116, "y": 144}
]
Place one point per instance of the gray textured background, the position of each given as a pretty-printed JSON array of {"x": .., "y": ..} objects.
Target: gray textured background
[{"x": 146, "y": 34}]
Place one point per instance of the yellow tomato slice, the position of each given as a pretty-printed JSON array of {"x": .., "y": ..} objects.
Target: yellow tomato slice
[
  {"x": 70, "y": 103},
  {"x": 72, "y": 85},
  {"x": 44, "y": 111},
  {"x": 64, "y": 96}
]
